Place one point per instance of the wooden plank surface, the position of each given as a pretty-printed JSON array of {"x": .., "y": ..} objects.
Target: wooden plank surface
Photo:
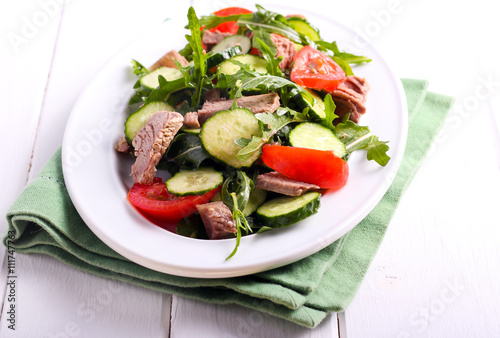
[
  {"x": 82, "y": 304},
  {"x": 436, "y": 272}
]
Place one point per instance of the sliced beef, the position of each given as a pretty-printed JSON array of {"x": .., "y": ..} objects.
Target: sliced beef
[
  {"x": 168, "y": 60},
  {"x": 191, "y": 121},
  {"x": 256, "y": 104},
  {"x": 285, "y": 48},
  {"x": 218, "y": 220},
  {"x": 122, "y": 145},
  {"x": 350, "y": 95},
  {"x": 210, "y": 39},
  {"x": 213, "y": 95},
  {"x": 276, "y": 182},
  {"x": 151, "y": 142}
]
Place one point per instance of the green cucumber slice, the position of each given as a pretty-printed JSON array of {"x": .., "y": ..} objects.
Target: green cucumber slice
[
  {"x": 138, "y": 119},
  {"x": 316, "y": 107},
  {"x": 288, "y": 210},
  {"x": 255, "y": 62},
  {"x": 220, "y": 131},
  {"x": 304, "y": 27},
  {"x": 234, "y": 40},
  {"x": 214, "y": 59},
  {"x": 257, "y": 197},
  {"x": 194, "y": 182},
  {"x": 195, "y": 131},
  {"x": 315, "y": 136},
  {"x": 150, "y": 81}
]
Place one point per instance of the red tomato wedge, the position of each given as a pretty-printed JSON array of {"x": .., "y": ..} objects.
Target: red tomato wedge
[
  {"x": 155, "y": 201},
  {"x": 313, "y": 69},
  {"x": 320, "y": 167},
  {"x": 231, "y": 26}
]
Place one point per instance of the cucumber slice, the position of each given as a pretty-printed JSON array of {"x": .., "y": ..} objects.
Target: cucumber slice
[
  {"x": 316, "y": 108},
  {"x": 284, "y": 211},
  {"x": 257, "y": 197},
  {"x": 234, "y": 40},
  {"x": 315, "y": 136},
  {"x": 304, "y": 27},
  {"x": 220, "y": 131},
  {"x": 195, "y": 131},
  {"x": 255, "y": 62},
  {"x": 194, "y": 182},
  {"x": 138, "y": 119},
  {"x": 214, "y": 59},
  {"x": 150, "y": 81}
]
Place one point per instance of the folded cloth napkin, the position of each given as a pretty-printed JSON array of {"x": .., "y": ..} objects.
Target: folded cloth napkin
[{"x": 305, "y": 292}]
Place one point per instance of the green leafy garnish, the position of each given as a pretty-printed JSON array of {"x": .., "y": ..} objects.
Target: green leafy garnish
[
  {"x": 266, "y": 83},
  {"x": 273, "y": 63},
  {"x": 241, "y": 224},
  {"x": 330, "y": 113},
  {"x": 139, "y": 69},
  {"x": 347, "y": 57},
  {"x": 357, "y": 137},
  {"x": 271, "y": 124},
  {"x": 199, "y": 58},
  {"x": 187, "y": 151},
  {"x": 272, "y": 22},
  {"x": 235, "y": 194}
]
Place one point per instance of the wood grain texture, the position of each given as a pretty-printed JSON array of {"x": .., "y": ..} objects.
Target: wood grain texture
[
  {"x": 436, "y": 272},
  {"x": 234, "y": 321},
  {"x": 22, "y": 94},
  {"x": 54, "y": 299}
]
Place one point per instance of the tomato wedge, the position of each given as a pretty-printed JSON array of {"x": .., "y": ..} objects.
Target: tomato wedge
[
  {"x": 230, "y": 26},
  {"x": 320, "y": 167},
  {"x": 313, "y": 69},
  {"x": 155, "y": 201}
]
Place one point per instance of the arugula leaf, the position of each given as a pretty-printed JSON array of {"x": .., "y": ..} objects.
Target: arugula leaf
[
  {"x": 357, "y": 137},
  {"x": 187, "y": 52},
  {"x": 241, "y": 185},
  {"x": 271, "y": 124},
  {"x": 273, "y": 63},
  {"x": 139, "y": 69},
  {"x": 241, "y": 223},
  {"x": 140, "y": 93},
  {"x": 273, "y": 23},
  {"x": 233, "y": 81},
  {"x": 199, "y": 58},
  {"x": 330, "y": 113},
  {"x": 344, "y": 65},
  {"x": 187, "y": 151},
  {"x": 162, "y": 92},
  {"x": 347, "y": 57},
  {"x": 267, "y": 83}
]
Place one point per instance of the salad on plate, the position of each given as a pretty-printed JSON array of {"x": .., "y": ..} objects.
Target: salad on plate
[{"x": 254, "y": 119}]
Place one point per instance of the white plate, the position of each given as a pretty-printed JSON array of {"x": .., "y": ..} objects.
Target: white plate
[{"x": 97, "y": 177}]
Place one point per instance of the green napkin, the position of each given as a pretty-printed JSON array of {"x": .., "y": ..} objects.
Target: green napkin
[{"x": 43, "y": 220}]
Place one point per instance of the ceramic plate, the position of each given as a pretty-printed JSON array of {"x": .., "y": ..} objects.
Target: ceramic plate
[{"x": 98, "y": 178}]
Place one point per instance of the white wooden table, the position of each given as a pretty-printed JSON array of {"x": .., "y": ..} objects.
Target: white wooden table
[{"x": 437, "y": 272}]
